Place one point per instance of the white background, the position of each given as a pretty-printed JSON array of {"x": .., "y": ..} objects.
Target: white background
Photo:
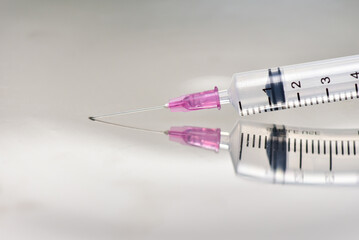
[{"x": 65, "y": 177}]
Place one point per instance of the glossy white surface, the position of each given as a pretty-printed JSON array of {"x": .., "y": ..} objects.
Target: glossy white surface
[{"x": 65, "y": 177}]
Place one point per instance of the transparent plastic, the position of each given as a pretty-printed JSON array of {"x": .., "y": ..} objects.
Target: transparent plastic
[
  {"x": 282, "y": 154},
  {"x": 295, "y": 86}
]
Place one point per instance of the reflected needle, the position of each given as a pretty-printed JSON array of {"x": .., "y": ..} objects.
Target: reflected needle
[{"x": 97, "y": 118}]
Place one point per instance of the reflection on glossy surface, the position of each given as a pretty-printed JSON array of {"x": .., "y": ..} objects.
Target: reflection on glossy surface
[{"x": 283, "y": 154}]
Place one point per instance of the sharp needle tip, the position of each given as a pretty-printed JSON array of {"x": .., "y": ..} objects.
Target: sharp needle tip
[{"x": 92, "y": 118}]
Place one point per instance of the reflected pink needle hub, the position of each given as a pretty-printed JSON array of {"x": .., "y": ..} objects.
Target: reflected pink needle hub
[{"x": 208, "y": 138}]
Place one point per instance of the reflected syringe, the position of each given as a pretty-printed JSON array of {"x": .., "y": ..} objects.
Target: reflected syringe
[
  {"x": 281, "y": 154},
  {"x": 277, "y": 153}
]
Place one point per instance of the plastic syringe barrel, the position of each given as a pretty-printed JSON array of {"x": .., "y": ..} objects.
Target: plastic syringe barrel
[{"x": 295, "y": 85}]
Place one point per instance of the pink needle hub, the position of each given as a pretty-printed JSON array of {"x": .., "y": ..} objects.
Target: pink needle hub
[
  {"x": 208, "y": 138},
  {"x": 196, "y": 101}
]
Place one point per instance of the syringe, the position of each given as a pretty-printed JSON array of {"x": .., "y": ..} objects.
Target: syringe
[
  {"x": 273, "y": 89},
  {"x": 289, "y": 151},
  {"x": 294, "y": 86}
]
